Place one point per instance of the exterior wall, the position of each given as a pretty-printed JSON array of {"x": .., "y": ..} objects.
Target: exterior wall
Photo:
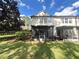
[
  {"x": 44, "y": 21},
  {"x": 56, "y": 21},
  {"x": 77, "y": 21},
  {"x": 69, "y": 25},
  {"x": 78, "y": 32},
  {"x": 65, "y": 21}
]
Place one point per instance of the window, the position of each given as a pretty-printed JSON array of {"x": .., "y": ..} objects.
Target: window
[
  {"x": 66, "y": 20},
  {"x": 49, "y": 20},
  {"x": 41, "y": 21},
  {"x": 62, "y": 20},
  {"x": 70, "y": 20},
  {"x": 45, "y": 20}
]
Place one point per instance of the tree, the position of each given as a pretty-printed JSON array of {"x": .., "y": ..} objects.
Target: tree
[{"x": 9, "y": 16}]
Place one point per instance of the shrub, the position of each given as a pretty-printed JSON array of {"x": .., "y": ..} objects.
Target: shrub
[{"x": 22, "y": 35}]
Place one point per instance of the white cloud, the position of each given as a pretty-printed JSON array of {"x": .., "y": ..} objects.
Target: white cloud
[
  {"x": 61, "y": 7},
  {"x": 22, "y": 15},
  {"x": 22, "y": 4},
  {"x": 76, "y": 4},
  {"x": 28, "y": 7},
  {"x": 41, "y": 1},
  {"x": 67, "y": 11},
  {"x": 44, "y": 7},
  {"x": 52, "y": 3}
]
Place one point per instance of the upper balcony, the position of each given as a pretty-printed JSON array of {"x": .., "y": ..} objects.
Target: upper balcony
[{"x": 42, "y": 21}]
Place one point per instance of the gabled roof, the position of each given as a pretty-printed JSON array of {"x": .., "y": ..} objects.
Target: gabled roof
[{"x": 41, "y": 13}]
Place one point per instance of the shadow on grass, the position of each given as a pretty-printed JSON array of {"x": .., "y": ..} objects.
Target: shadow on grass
[
  {"x": 69, "y": 49},
  {"x": 44, "y": 52},
  {"x": 41, "y": 51},
  {"x": 19, "y": 50}
]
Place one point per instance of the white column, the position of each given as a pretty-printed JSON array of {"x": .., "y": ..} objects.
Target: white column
[
  {"x": 54, "y": 31},
  {"x": 75, "y": 32}
]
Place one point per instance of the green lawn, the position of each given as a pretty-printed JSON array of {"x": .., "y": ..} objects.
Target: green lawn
[
  {"x": 30, "y": 50},
  {"x": 7, "y": 36}
]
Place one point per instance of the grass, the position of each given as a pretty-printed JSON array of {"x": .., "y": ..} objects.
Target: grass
[
  {"x": 29, "y": 50},
  {"x": 7, "y": 36},
  {"x": 14, "y": 34}
]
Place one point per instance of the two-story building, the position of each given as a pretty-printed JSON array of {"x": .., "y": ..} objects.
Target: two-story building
[{"x": 45, "y": 26}]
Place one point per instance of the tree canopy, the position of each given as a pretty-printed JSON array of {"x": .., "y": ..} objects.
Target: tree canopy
[{"x": 9, "y": 16}]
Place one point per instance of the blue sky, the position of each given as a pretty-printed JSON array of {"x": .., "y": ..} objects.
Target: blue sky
[{"x": 52, "y": 7}]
